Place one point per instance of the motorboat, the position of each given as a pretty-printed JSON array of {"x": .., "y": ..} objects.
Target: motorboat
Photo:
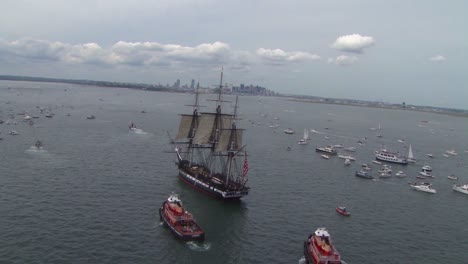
[
  {"x": 328, "y": 150},
  {"x": 451, "y": 152},
  {"x": 427, "y": 168},
  {"x": 366, "y": 167},
  {"x": 91, "y": 117},
  {"x": 463, "y": 188},
  {"x": 180, "y": 221},
  {"x": 347, "y": 157},
  {"x": 385, "y": 174},
  {"x": 13, "y": 132},
  {"x": 423, "y": 187},
  {"x": 426, "y": 171},
  {"x": 350, "y": 149},
  {"x": 363, "y": 174},
  {"x": 400, "y": 174},
  {"x": 385, "y": 169},
  {"x": 377, "y": 162},
  {"x": 342, "y": 210},
  {"x": 452, "y": 177},
  {"x": 430, "y": 155},
  {"x": 319, "y": 249},
  {"x": 347, "y": 162},
  {"x": 325, "y": 156},
  {"x": 289, "y": 131}
]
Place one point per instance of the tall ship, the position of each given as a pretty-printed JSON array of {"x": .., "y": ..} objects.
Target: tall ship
[
  {"x": 388, "y": 156},
  {"x": 318, "y": 248},
  {"x": 214, "y": 160}
]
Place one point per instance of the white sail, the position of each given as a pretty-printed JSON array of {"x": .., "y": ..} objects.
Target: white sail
[
  {"x": 410, "y": 154},
  {"x": 306, "y": 134}
]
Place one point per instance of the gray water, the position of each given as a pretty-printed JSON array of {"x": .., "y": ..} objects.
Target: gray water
[{"x": 92, "y": 194}]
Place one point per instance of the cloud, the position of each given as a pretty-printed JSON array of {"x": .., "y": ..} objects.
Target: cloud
[
  {"x": 343, "y": 60},
  {"x": 279, "y": 56},
  {"x": 353, "y": 43},
  {"x": 125, "y": 53},
  {"x": 437, "y": 58}
]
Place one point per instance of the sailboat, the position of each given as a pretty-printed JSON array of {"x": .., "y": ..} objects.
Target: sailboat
[
  {"x": 212, "y": 161},
  {"x": 303, "y": 140},
  {"x": 410, "y": 155}
]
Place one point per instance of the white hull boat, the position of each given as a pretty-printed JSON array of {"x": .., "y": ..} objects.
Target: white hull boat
[{"x": 461, "y": 188}]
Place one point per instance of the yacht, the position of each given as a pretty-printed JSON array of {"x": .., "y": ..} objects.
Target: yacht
[
  {"x": 423, "y": 187},
  {"x": 463, "y": 188},
  {"x": 426, "y": 171}
]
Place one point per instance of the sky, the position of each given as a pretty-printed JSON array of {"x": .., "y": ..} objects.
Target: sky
[{"x": 410, "y": 51}]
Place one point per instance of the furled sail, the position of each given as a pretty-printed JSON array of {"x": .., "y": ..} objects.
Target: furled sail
[
  {"x": 184, "y": 127},
  {"x": 230, "y": 139}
]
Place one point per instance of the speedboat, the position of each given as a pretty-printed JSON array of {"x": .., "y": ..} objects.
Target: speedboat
[
  {"x": 366, "y": 167},
  {"x": 386, "y": 169},
  {"x": 377, "y": 162},
  {"x": 13, "y": 132},
  {"x": 325, "y": 156},
  {"x": 463, "y": 188},
  {"x": 342, "y": 210},
  {"x": 452, "y": 177},
  {"x": 181, "y": 222},
  {"x": 451, "y": 152},
  {"x": 289, "y": 131},
  {"x": 347, "y": 162},
  {"x": 423, "y": 187},
  {"x": 363, "y": 174},
  {"x": 385, "y": 174},
  {"x": 430, "y": 155},
  {"x": 400, "y": 174},
  {"x": 319, "y": 249},
  {"x": 91, "y": 117}
]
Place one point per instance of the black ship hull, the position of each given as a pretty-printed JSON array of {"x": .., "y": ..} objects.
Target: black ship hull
[
  {"x": 184, "y": 237},
  {"x": 210, "y": 189}
]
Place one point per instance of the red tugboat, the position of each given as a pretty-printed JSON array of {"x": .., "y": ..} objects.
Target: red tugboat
[
  {"x": 318, "y": 248},
  {"x": 180, "y": 221}
]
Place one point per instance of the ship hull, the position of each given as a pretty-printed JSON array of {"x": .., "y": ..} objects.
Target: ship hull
[
  {"x": 209, "y": 189},
  {"x": 397, "y": 161},
  {"x": 182, "y": 236}
]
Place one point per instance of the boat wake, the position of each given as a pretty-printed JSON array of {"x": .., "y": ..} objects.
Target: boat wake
[
  {"x": 197, "y": 246},
  {"x": 34, "y": 149},
  {"x": 302, "y": 260},
  {"x": 139, "y": 131}
]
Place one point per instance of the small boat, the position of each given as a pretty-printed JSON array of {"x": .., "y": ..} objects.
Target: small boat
[
  {"x": 451, "y": 152},
  {"x": 273, "y": 126},
  {"x": 400, "y": 174},
  {"x": 38, "y": 144},
  {"x": 49, "y": 115},
  {"x": 377, "y": 162},
  {"x": 401, "y": 141},
  {"x": 364, "y": 174},
  {"x": 385, "y": 169},
  {"x": 302, "y": 142},
  {"x": 385, "y": 174},
  {"x": 445, "y": 155},
  {"x": 91, "y": 117},
  {"x": 342, "y": 210},
  {"x": 289, "y": 131},
  {"x": 319, "y": 249},
  {"x": 350, "y": 149},
  {"x": 13, "y": 132},
  {"x": 347, "y": 162},
  {"x": 366, "y": 167},
  {"x": 430, "y": 155},
  {"x": 423, "y": 187},
  {"x": 463, "y": 188},
  {"x": 452, "y": 177},
  {"x": 347, "y": 157},
  {"x": 325, "y": 156},
  {"x": 181, "y": 222}
]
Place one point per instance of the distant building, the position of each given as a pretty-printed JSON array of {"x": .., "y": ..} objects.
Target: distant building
[{"x": 192, "y": 84}]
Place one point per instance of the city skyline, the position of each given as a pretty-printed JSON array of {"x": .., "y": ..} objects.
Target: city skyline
[{"x": 372, "y": 50}]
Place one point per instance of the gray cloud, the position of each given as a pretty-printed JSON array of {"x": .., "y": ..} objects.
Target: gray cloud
[
  {"x": 353, "y": 43},
  {"x": 437, "y": 58},
  {"x": 343, "y": 60},
  {"x": 279, "y": 56}
]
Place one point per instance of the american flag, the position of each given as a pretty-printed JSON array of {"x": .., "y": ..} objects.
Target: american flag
[{"x": 245, "y": 169}]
